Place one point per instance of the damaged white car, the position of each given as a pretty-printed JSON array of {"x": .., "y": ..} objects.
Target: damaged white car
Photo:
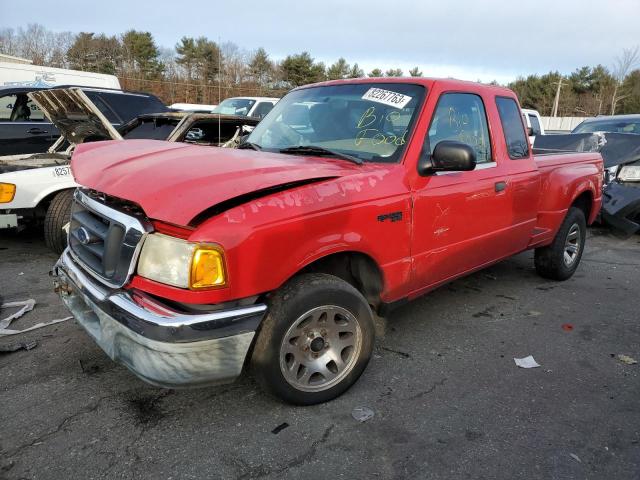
[{"x": 38, "y": 188}]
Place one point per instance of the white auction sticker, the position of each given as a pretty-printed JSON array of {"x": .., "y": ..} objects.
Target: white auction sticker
[{"x": 393, "y": 99}]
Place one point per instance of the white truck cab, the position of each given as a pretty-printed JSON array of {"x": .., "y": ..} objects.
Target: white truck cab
[
  {"x": 257, "y": 107},
  {"x": 533, "y": 123}
]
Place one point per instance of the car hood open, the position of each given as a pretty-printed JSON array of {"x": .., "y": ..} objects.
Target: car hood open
[
  {"x": 71, "y": 111},
  {"x": 174, "y": 182}
]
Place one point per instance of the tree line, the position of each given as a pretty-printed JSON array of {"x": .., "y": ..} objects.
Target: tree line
[{"x": 200, "y": 70}]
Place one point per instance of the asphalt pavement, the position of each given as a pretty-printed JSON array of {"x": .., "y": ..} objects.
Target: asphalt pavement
[{"x": 448, "y": 400}]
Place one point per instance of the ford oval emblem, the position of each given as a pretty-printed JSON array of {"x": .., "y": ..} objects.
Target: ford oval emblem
[{"x": 83, "y": 236}]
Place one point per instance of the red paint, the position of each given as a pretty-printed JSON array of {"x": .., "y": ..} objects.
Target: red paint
[{"x": 451, "y": 224}]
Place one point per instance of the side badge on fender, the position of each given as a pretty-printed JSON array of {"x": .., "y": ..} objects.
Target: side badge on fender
[{"x": 393, "y": 216}]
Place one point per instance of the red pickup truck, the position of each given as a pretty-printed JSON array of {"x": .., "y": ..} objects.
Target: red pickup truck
[{"x": 187, "y": 264}]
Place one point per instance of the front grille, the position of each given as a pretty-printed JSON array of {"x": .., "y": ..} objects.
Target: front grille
[{"x": 105, "y": 235}]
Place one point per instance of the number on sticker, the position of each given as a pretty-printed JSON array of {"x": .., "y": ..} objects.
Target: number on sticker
[{"x": 61, "y": 171}]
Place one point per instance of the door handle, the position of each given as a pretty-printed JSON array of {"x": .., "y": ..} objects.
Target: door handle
[
  {"x": 500, "y": 186},
  {"x": 36, "y": 131}
]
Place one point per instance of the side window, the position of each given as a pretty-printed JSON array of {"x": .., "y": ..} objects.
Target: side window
[
  {"x": 514, "y": 134},
  {"x": 262, "y": 109},
  {"x": 6, "y": 107},
  {"x": 461, "y": 117},
  {"x": 535, "y": 125},
  {"x": 36, "y": 113}
]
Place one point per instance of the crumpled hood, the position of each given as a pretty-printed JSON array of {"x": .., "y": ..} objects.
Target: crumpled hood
[
  {"x": 174, "y": 182},
  {"x": 71, "y": 111}
]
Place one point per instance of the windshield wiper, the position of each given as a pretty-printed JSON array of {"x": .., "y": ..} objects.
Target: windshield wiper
[
  {"x": 247, "y": 145},
  {"x": 316, "y": 150}
]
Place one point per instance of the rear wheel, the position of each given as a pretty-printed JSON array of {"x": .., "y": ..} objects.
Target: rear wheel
[
  {"x": 56, "y": 221},
  {"x": 315, "y": 341},
  {"x": 560, "y": 260}
]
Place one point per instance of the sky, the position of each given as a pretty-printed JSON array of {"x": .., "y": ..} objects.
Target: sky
[{"x": 471, "y": 40}]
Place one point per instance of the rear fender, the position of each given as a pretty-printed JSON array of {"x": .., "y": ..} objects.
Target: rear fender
[{"x": 563, "y": 186}]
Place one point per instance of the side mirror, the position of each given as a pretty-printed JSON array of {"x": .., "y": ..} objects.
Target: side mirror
[
  {"x": 448, "y": 156},
  {"x": 530, "y": 132}
]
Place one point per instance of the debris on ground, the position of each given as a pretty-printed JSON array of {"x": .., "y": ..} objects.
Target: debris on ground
[
  {"x": 533, "y": 313},
  {"x": 575, "y": 457},
  {"x": 526, "y": 362},
  {"x": 26, "y": 306},
  {"x": 567, "y": 327},
  {"x": 14, "y": 347},
  {"x": 627, "y": 360},
  {"x": 279, "y": 428},
  {"x": 362, "y": 414}
]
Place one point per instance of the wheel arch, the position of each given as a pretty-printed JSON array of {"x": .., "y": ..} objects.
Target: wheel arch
[
  {"x": 354, "y": 267},
  {"x": 584, "y": 201}
]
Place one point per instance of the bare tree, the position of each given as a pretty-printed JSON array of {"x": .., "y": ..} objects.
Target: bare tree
[
  {"x": 9, "y": 42},
  {"x": 621, "y": 68}
]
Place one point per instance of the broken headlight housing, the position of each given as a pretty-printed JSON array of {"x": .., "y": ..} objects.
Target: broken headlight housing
[{"x": 610, "y": 174}]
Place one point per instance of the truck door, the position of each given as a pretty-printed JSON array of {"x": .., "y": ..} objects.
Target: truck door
[{"x": 461, "y": 220}]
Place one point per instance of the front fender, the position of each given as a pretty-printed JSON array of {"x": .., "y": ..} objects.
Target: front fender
[
  {"x": 35, "y": 184},
  {"x": 269, "y": 240}
]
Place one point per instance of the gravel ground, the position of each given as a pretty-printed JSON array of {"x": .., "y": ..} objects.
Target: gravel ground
[{"x": 449, "y": 401}]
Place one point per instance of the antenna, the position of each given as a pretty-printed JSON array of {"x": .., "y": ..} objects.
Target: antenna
[{"x": 219, "y": 86}]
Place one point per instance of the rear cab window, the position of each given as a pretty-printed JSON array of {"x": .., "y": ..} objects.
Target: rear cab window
[
  {"x": 513, "y": 128},
  {"x": 461, "y": 117},
  {"x": 535, "y": 125},
  {"x": 262, "y": 109}
]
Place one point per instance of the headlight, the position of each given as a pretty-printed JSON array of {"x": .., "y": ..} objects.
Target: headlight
[
  {"x": 629, "y": 173},
  {"x": 7, "y": 192},
  {"x": 182, "y": 264}
]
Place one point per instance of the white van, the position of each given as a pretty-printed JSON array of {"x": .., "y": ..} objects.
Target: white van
[
  {"x": 19, "y": 74},
  {"x": 533, "y": 123}
]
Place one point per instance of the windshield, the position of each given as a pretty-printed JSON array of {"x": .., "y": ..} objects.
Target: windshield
[
  {"x": 613, "y": 126},
  {"x": 371, "y": 122},
  {"x": 235, "y": 106}
]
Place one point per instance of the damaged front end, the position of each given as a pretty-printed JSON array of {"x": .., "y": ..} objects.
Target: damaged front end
[{"x": 621, "y": 186}]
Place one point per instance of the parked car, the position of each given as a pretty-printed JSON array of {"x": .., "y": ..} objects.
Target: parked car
[
  {"x": 25, "y": 129},
  {"x": 210, "y": 129},
  {"x": 246, "y": 106},
  {"x": 192, "y": 107},
  {"x": 186, "y": 264},
  {"x": 38, "y": 187},
  {"x": 621, "y": 179},
  {"x": 611, "y": 124},
  {"x": 533, "y": 124}
]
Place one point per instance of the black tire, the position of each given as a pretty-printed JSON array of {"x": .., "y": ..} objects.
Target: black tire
[
  {"x": 286, "y": 308},
  {"x": 550, "y": 260},
  {"x": 57, "y": 216}
]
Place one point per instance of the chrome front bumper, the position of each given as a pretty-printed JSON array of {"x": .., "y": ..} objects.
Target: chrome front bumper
[{"x": 162, "y": 346}]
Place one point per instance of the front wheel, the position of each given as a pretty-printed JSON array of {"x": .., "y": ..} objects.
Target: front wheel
[
  {"x": 56, "y": 221},
  {"x": 560, "y": 260},
  {"x": 316, "y": 340}
]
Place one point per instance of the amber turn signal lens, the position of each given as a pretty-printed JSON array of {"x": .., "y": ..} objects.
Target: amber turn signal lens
[
  {"x": 207, "y": 268},
  {"x": 7, "y": 192}
]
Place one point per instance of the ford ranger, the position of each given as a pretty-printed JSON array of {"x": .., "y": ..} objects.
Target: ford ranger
[{"x": 190, "y": 264}]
